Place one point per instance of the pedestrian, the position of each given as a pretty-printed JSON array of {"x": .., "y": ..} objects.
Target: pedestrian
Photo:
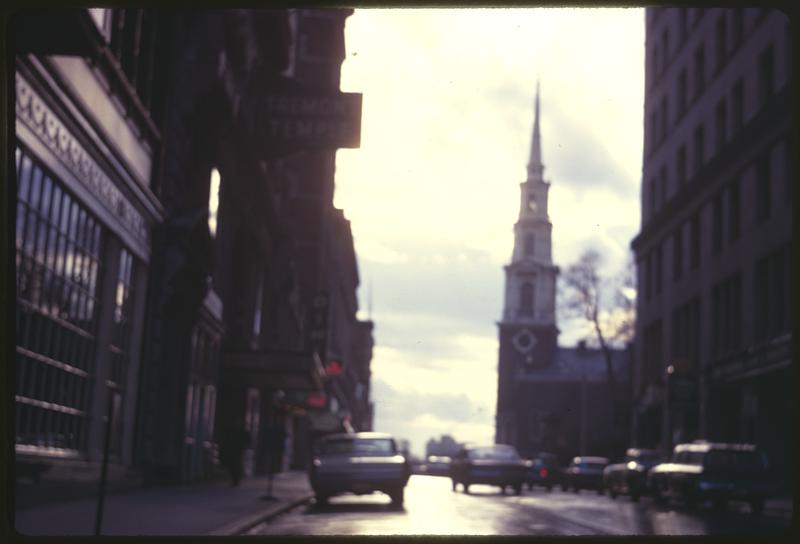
[{"x": 233, "y": 442}]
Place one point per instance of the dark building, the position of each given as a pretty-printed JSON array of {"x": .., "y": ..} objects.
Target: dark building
[
  {"x": 446, "y": 446},
  {"x": 87, "y": 152},
  {"x": 713, "y": 348},
  {"x": 171, "y": 271},
  {"x": 549, "y": 398}
]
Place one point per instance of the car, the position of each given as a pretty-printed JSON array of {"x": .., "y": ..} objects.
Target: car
[
  {"x": 497, "y": 465},
  {"x": 544, "y": 471},
  {"x": 438, "y": 465},
  {"x": 585, "y": 472},
  {"x": 630, "y": 476},
  {"x": 716, "y": 471},
  {"x": 359, "y": 463}
]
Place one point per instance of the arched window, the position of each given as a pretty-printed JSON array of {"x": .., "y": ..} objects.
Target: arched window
[
  {"x": 528, "y": 247},
  {"x": 526, "y": 299}
]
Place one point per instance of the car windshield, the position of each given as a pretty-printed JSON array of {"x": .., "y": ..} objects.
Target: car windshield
[
  {"x": 359, "y": 446},
  {"x": 591, "y": 465},
  {"x": 734, "y": 460},
  {"x": 494, "y": 452}
]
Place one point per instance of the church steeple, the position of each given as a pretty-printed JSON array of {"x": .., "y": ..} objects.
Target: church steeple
[{"x": 535, "y": 167}]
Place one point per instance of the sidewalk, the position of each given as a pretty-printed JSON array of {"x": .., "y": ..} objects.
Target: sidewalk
[{"x": 190, "y": 510}]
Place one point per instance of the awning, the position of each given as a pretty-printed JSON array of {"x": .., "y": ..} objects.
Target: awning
[
  {"x": 56, "y": 31},
  {"x": 287, "y": 370}
]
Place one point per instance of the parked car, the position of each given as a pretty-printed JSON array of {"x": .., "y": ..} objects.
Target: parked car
[
  {"x": 438, "y": 465},
  {"x": 585, "y": 472},
  {"x": 630, "y": 476},
  {"x": 498, "y": 465},
  {"x": 719, "y": 472},
  {"x": 544, "y": 471},
  {"x": 359, "y": 463}
]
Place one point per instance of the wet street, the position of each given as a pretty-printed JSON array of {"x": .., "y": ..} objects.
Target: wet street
[{"x": 431, "y": 507}]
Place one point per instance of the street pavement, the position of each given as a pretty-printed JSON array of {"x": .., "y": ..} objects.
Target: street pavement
[
  {"x": 214, "y": 508},
  {"x": 432, "y": 508}
]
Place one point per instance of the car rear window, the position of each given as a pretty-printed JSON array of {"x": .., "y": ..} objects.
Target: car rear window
[
  {"x": 489, "y": 452},
  {"x": 734, "y": 460},
  {"x": 360, "y": 446}
]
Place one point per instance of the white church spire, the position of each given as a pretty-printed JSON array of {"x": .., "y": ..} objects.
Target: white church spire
[{"x": 535, "y": 167}]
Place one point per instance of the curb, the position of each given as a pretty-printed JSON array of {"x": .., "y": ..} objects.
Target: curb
[{"x": 245, "y": 524}]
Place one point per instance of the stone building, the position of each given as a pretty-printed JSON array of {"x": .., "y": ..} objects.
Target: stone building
[
  {"x": 549, "y": 398},
  {"x": 713, "y": 350}
]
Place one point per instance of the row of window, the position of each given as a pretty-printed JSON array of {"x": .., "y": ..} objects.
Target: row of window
[
  {"x": 726, "y": 221},
  {"x": 726, "y": 42},
  {"x": 728, "y": 121},
  {"x": 771, "y": 316}
]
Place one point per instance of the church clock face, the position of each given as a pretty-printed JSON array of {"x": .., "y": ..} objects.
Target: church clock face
[{"x": 524, "y": 341}]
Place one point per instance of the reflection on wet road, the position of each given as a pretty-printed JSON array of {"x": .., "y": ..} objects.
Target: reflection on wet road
[{"x": 432, "y": 508}]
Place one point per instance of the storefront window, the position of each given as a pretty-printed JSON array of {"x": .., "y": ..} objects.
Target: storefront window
[{"x": 58, "y": 249}]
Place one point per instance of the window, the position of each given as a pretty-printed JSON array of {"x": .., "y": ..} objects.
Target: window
[
  {"x": 771, "y": 290},
  {"x": 766, "y": 76},
  {"x": 529, "y": 244},
  {"x": 737, "y": 105},
  {"x": 58, "y": 265},
  {"x": 213, "y": 202},
  {"x": 716, "y": 224},
  {"x": 686, "y": 332},
  {"x": 526, "y": 299},
  {"x": 734, "y": 213},
  {"x": 677, "y": 254},
  {"x": 699, "y": 149},
  {"x": 121, "y": 335},
  {"x": 738, "y": 27},
  {"x": 683, "y": 93},
  {"x": 699, "y": 71},
  {"x": 659, "y": 266},
  {"x": 721, "y": 125},
  {"x": 694, "y": 241},
  {"x": 653, "y": 193},
  {"x": 721, "y": 40},
  {"x": 653, "y": 130},
  {"x": 763, "y": 187},
  {"x": 680, "y": 166},
  {"x": 726, "y": 316},
  {"x": 652, "y": 352}
]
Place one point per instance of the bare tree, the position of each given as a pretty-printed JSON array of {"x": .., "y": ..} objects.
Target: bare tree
[{"x": 585, "y": 296}]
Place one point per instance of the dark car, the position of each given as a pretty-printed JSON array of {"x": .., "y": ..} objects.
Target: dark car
[
  {"x": 438, "y": 465},
  {"x": 630, "y": 476},
  {"x": 585, "y": 472},
  {"x": 359, "y": 463},
  {"x": 498, "y": 465},
  {"x": 719, "y": 472},
  {"x": 544, "y": 471}
]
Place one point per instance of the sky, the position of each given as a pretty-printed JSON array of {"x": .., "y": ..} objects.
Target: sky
[{"x": 433, "y": 192}]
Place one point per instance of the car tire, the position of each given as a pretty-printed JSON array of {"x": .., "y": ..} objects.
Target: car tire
[
  {"x": 321, "y": 500},
  {"x": 575, "y": 489},
  {"x": 397, "y": 497},
  {"x": 612, "y": 493},
  {"x": 549, "y": 488},
  {"x": 518, "y": 489},
  {"x": 455, "y": 484},
  {"x": 757, "y": 506},
  {"x": 465, "y": 486}
]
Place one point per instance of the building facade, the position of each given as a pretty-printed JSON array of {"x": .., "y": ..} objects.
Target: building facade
[
  {"x": 546, "y": 392},
  {"x": 713, "y": 349},
  {"x": 86, "y": 148}
]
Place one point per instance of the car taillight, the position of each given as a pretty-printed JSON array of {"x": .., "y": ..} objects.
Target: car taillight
[{"x": 543, "y": 473}]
